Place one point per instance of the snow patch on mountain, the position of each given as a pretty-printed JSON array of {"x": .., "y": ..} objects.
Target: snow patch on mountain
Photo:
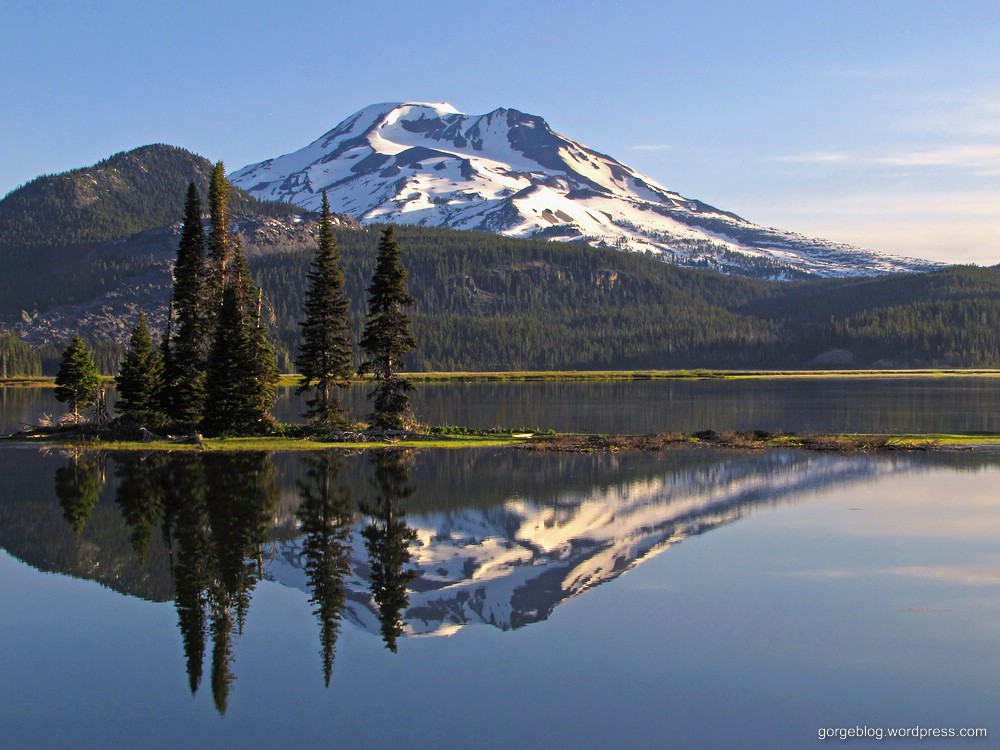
[{"x": 509, "y": 172}]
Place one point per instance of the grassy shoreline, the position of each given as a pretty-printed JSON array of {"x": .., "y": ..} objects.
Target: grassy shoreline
[
  {"x": 576, "y": 376},
  {"x": 566, "y": 442}
]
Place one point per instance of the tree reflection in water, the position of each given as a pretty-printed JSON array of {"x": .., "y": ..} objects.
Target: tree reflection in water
[
  {"x": 387, "y": 540},
  {"x": 141, "y": 495},
  {"x": 78, "y": 487},
  {"x": 214, "y": 512},
  {"x": 326, "y": 516},
  {"x": 561, "y": 524}
]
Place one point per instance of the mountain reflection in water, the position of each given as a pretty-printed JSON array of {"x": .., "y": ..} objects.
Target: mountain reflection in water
[{"x": 397, "y": 542}]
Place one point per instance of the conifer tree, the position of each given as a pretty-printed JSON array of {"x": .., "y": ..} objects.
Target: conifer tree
[
  {"x": 387, "y": 338},
  {"x": 77, "y": 381},
  {"x": 263, "y": 366},
  {"x": 325, "y": 351},
  {"x": 242, "y": 373},
  {"x": 241, "y": 370},
  {"x": 16, "y": 356},
  {"x": 224, "y": 403},
  {"x": 186, "y": 345},
  {"x": 220, "y": 239},
  {"x": 141, "y": 378}
]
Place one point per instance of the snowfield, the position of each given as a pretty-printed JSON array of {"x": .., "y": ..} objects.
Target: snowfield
[{"x": 509, "y": 172}]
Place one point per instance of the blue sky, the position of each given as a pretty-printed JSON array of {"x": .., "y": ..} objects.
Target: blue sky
[{"x": 875, "y": 123}]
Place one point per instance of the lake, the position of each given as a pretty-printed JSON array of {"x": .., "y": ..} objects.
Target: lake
[
  {"x": 501, "y": 598},
  {"x": 928, "y": 405}
]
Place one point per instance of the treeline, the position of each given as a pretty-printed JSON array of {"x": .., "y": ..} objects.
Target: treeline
[
  {"x": 486, "y": 302},
  {"x": 107, "y": 356},
  {"x": 47, "y": 277},
  {"x": 122, "y": 195},
  {"x": 16, "y": 357}
]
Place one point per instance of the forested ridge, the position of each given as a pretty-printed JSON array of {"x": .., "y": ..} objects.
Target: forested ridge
[
  {"x": 68, "y": 238},
  {"x": 122, "y": 195},
  {"x": 105, "y": 237},
  {"x": 490, "y": 303}
]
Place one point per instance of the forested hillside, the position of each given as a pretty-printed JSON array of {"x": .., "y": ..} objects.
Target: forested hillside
[
  {"x": 486, "y": 303},
  {"x": 89, "y": 249},
  {"x": 122, "y": 195},
  {"x": 70, "y": 238},
  {"x": 16, "y": 357}
]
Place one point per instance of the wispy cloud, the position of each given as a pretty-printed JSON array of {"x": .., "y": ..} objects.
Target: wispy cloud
[
  {"x": 953, "y": 226},
  {"x": 831, "y": 574},
  {"x": 965, "y": 157},
  {"x": 816, "y": 157},
  {"x": 981, "y": 159}
]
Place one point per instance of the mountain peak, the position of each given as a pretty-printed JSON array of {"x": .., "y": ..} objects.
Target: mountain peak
[{"x": 509, "y": 172}]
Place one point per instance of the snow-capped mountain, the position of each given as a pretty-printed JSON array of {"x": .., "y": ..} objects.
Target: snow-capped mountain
[
  {"x": 509, "y": 172},
  {"x": 512, "y": 564}
]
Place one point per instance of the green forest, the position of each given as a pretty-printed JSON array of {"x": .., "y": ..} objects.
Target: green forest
[
  {"x": 482, "y": 302},
  {"x": 491, "y": 303},
  {"x": 488, "y": 303}
]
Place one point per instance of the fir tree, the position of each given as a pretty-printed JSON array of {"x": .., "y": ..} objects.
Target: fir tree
[
  {"x": 259, "y": 375},
  {"x": 141, "y": 378},
  {"x": 224, "y": 403},
  {"x": 220, "y": 239},
  {"x": 242, "y": 372},
  {"x": 387, "y": 338},
  {"x": 262, "y": 386},
  {"x": 185, "y": 354},
  {"x": 325, "y": 351},
  {"x": 77, "y": 381}
]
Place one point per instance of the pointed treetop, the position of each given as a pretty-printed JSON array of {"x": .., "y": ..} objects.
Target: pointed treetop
[{"x": 220, "y": 241}]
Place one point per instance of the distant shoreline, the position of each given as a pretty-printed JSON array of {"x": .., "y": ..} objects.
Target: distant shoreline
[
  {"x": 573, "y": 376},
  {"x": 564, "y": 442}
]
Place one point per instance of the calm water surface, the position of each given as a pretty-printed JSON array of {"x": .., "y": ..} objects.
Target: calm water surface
[
  {"x": 495, "y": 599},
  {"x": 641, "y": 407}
]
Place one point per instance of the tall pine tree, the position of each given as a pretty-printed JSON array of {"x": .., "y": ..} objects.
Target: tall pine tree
[
  {"x": 242, "y": 372},
  {"x": 141, "y": 378},
  {"x": 387, "y": 338},
  {"x": 220, "y": 239},
  {"x": 187, "y": 345},
  {"x": 77, "y": 381},
  {"x": 325, "y": 351},
  {"x": 241, "y": 369}
]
